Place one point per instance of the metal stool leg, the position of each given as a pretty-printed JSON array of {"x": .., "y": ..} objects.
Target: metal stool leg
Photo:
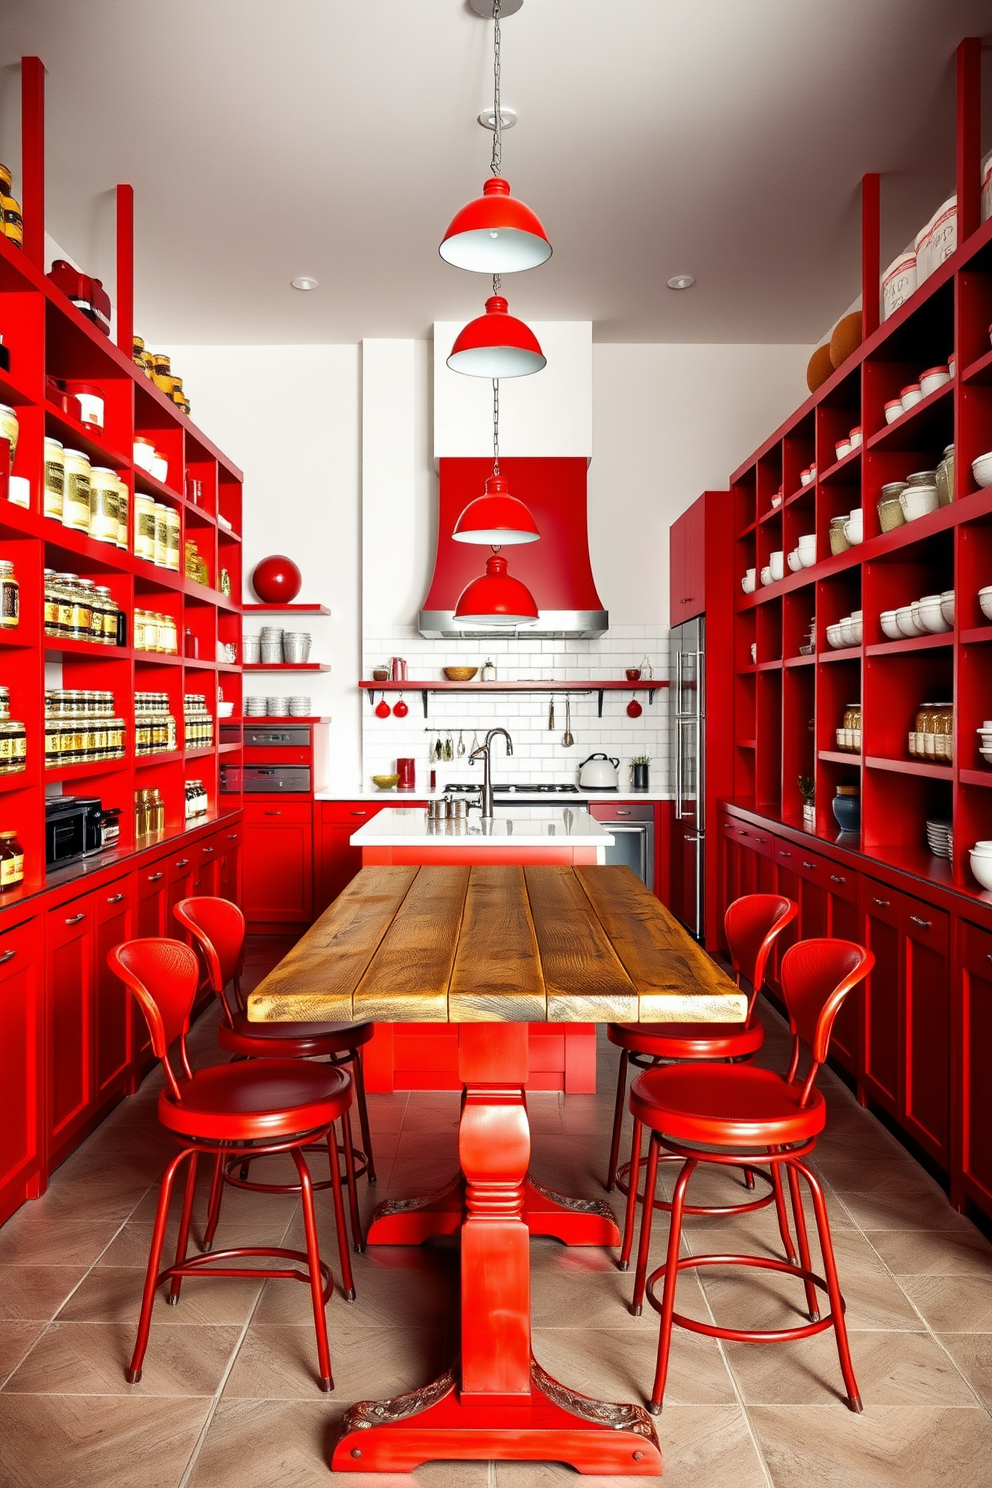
[
  {"x": 349, "y": 1167},
  {"x": 833, "y": 1286},
  {"x": 631, "y": 1210},
  {"x": 647, "y": 1214},
  {"x": 671, "y": 1279},
  {"x": 213, "y": 1206},
  {"x": 184, "y": 1223},
  {"x": 133, "y": 1373},
  {"x": 782, "y": 1213},
  {"x": 334, "y": 1157},
  {"x": 363, "y": 1112},
  {"x": 812, "y": 1301},
  {"x": 611, "y": 1177},
  {"x": 313, "y": 1264}
]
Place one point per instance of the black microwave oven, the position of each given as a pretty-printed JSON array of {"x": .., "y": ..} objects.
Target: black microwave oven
[{"x": 72, "y": 828}]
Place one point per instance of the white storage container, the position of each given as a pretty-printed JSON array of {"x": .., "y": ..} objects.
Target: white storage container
[{"x": 898, "y": 282}]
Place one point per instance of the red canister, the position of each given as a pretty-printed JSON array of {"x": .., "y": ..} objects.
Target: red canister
[{"x": 406, "y": 769}]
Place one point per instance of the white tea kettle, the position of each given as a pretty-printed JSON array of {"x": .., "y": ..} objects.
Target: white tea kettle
[{"x": 599, "y": 772}]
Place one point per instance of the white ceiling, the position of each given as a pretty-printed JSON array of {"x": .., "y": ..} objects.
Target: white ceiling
[{"x": 269, "y": 138}]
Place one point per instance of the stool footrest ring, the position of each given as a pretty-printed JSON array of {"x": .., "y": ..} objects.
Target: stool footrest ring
[{"x": 744, "y": 1335}]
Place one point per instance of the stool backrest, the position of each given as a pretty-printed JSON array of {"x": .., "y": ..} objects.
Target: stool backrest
[
  {"x": 163, "y": 976},
  {"x": 816, "y": 976},
  {"x": 752, "y": 924},
  {"x": 218, "y": 927}
]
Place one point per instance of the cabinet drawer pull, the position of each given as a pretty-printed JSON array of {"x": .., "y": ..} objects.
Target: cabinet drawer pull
[
  {"x": 75, "y": 919},
  {"x": 761, "y": 839},
  {"x": 783, "y": 854},
  {"x": 808, "y": 864},
  {"x": 208, "y": 849},
  {"x": 273, "y": 813},
  {"x": 917, "y": 921},
  {"x": 7, "y": 955},
  {"x": 114, "y": 898},
  {"x": 837, "y": 878},
  {"x": 232, "y": 836},
  {"x": 181, "y": 862},
  {"x": 741, "y": 832},
  {"x": 883, "y": 902},
  {"x": 154, "y": 877},
  {"x": 359, "y": 813}
]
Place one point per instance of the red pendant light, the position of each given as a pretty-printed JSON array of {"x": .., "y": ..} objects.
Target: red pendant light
[
  {"x": 496, "y": 345},
  {"x": 495, "y": 599},
  {"x": 496, "y": 519},
  {"x": 495, "y": 234}
]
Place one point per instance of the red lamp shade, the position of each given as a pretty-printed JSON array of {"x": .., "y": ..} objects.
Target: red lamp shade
[
  {"x": 496, "y": 345},
  {"x": 495, "y": 234},
  {"x": 495, "y": 598},
  {"x": 276, "y": 580},
  {"x": 496, "y": 519}
]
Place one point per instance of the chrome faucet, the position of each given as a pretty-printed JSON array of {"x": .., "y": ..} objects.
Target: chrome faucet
[{"x": 483, "y": 752}]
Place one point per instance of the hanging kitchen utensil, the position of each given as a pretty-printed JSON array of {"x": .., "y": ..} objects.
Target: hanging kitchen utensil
[
  {"x": 634, "y": 709},
  {"x": 475, "y": 741},
  {"x": 461, "y": 744},
  {"x": 567, "y": 738},
  {"x": 449, "y": 752},
  {"x": 400, "y": 709},
  {"x": 437, "y": 751},
  {"x": 382, "y": 709},
  {"x": 551, "y": 714}
]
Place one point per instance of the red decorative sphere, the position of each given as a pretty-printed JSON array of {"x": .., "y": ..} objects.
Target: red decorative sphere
[{"x": 276, "y": 580}]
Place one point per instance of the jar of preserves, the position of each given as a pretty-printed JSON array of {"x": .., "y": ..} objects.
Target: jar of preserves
[
  {"x": 104, "y": 513},
  {"x": 9, "y": 430},
  {"x": 105, "y": 612},
  {"x": 161, "y": 558},
  {"x": 944, "y": 733},
  {"x": 172, "y": 538},
  {"x": 4, "y": 703},
  {"x": 838, "y": 537},
  {"x": 10, "y": 597},
  {"x": 63, "y": 596},
  {"x": 144, "y": 527},
  {"x": 123, "y": 500},
  {"x": 13, "y": 222},
  {"x": 76, "y": 496},
  {"x": 11, "y": 861},
  {"x": 54, "y": 478},
  {"x": 13, "y": 747},
  {"x": 81, "y": 611}
]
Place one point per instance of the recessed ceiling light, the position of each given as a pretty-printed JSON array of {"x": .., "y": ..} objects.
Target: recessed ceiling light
[
  {"x": 507, "y": 116},
  {"x": 681, "y": 281},
  {"x": 303, "y": 281}
]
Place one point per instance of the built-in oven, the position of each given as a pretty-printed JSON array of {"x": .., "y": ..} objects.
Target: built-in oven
[{"x": 632, "y": 824}]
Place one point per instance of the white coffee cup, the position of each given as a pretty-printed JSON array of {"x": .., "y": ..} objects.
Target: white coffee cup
[
  {"x": 748, "y": 581},
  {"x": 776, "y": 562}
]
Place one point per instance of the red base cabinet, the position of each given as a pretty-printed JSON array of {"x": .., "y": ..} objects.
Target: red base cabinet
[
  {"x": 22, "y": 1070},
  {"x": 277, "y": 865},
  {"x": 974, "y": 1039}
]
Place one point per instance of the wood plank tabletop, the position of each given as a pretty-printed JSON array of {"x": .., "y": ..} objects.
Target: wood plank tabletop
[{"x": 497, "y": 944}]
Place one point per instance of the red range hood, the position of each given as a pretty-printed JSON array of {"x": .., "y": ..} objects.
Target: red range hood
[{"x": 556, "y": 570}]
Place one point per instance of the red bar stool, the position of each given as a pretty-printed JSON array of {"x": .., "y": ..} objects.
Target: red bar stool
[
  {"x": 218, "y": 927},
  {"x": 752, "y": 924},
  {"x": 740, "y": 1115},
  {"x": 230, "y": 1111}
]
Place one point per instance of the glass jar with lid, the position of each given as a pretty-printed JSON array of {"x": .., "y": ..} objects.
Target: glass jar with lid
[
  {"x": 9, "y": 430},
  {"x": 890, "y": 512},
  {"x": 161, "y": 558},
  {"x": 11, "y": 861},
  {"x": 76, "y": 499},
  {"x": 13, "y": 747},
  {"x": 945, "y": 477},
  {"x": 10, "y": 597},
  {"x": 104, "y": 514},
  {"x": 123, "y": 500},
  {"x": 54, "y": 478},
  {"x": 172, "y": 538},
  {"x": 838, "y": 537},
  {"x": 105, "y": 612},
  {"x": 144, "y": 527}
]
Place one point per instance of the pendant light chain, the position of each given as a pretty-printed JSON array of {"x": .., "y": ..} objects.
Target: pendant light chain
[
  {"x": 497, "y": 159},
  {"x": 495, "y": 426}
]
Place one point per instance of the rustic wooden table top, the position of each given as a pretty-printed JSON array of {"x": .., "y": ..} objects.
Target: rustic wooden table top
[{"x": 441, "y": 944}]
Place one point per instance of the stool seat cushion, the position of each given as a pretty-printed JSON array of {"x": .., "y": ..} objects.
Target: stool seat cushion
[
  {"x": 291, "y": 1040},
  {"x": 689, "y": 1040},
  {"x": 725, "y": 1106},
  {"x": 249, "y": 1102}
]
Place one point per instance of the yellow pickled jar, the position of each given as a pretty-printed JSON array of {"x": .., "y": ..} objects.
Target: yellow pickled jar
[
  {"x": 77, "y": 496},
  {"x": 9, "y": 430}
]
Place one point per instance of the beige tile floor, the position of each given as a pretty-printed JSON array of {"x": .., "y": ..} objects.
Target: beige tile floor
[{"x": 228, "y": 1398}]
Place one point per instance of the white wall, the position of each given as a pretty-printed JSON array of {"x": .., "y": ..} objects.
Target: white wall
[{"x": 668, "y": 422}]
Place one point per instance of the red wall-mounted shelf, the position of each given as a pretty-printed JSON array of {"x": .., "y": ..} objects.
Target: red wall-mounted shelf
[
  {"x": 285, "y": 609},
  {"x": 650, "y": 685}
]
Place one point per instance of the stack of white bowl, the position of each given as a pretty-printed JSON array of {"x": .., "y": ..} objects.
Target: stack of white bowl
[
  {"x": 981, "y": 469},
  {"x": 940, "y": 838},
  {"x": 747, "y": 582},
  {"x": 271, "y": 639},
  {"x": 299, "y": 707},
  {"x": 254, "y": 707},
  {"x": 296, "y": 645},
  {"x": 277, "y": 707},
  {"x": 846, "y": 632},
  {"x": 985, "y": 601},
  {"x": 804, "y": 555},
  {"x": 981, "y": 863},
  {"x": 984, "y": 732},
  {"x": 251, "y": 650},
  {"x": 931, "y": 615}
]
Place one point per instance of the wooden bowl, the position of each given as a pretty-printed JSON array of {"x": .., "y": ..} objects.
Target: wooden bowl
[
  {"x": 386, "y": 782},
  {"x": 846, "y": 338},
  {"x": 459, "y": 674},
  {"x": 819, "y": 368}
]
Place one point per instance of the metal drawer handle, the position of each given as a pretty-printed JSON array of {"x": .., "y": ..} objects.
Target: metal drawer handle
[
  {"x": 208, "y": 849},
  {"x": 783, "y": 854},
  {"x": 883, "y": 902},
  {"x": 917, "y": 921},
  {"x": 760, "y": 839},
  {"x": 807, "y": 864},
  {"x": 181, "y": 862},
  {"x": 622, "y": 812},
  {"x": 114, "y": 898},
  {"x": 273, "y": 813},
  {"x": 232, "y": 836},
  {"x": 741, "y": 832},
  {"x": 154, "y": 877},
  {"x": 7, "y": 955},
  {"x": 75, "y": 919},
  {"x": 837, "y": 878},
  {"x": 359, "y": 813}
]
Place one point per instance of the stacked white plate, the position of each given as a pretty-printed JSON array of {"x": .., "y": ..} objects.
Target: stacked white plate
[
  {"x": 254, "y": 707},
  {"x": 984, "y": 732},
  {"x": 277, "y": 707},
  {"x": 940, "y": 838},
  {"x": 299, "y": 707}
]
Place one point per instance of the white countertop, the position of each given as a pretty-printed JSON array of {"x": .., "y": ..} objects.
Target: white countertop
[
  {"x": 601, "y": 797},
  {"x": 410, "y": 827}
]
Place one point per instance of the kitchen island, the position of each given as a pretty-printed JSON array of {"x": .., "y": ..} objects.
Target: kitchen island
[{"x": 424, "y": 1056}]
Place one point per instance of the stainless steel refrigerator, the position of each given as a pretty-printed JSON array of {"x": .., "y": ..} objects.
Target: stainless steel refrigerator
[{"x": 687, "y": 734}]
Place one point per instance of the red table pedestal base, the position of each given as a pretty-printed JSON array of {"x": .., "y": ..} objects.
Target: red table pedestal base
[
  {"x": 573, "y": 1221},
  {"x": 554, "y": 1425}
]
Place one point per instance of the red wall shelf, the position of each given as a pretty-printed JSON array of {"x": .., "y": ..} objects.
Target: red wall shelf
[
  {"x": 286, "y": 609},
  {"x": 286, "y": 666},
  {"x": 649, "y": 685}
]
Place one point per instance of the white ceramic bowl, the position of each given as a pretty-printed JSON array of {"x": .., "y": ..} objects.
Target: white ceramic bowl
[
  {"x": 981, "y": 469},
  {"x": 907, "y": 625},
  {"x": 843, "y": 448},
  {"x": 854, "y": 532},
  {"x": 795, "y": 562},
  {"x": 766, "y": 575},
  {"x": 847, "y": 631},
  {"x": 890, "y": 625},
  {"x": 857, "y": 629},
  {"x": 225, "y": 710},
  {"x": 983, "y": 849},
  {"x": 929, "y": 615},
  {"x": 918, "y": 501},
  {"x": 893, "y": 410},
  {"x": 834, "y": 637},
  {"x": 805, "y": 478},
  {"x": 910, "y": 396},
  {"x": 985, "y": 601},
  {"x": 947, "y": 605},
  {"x": 981, "y": 867},
  {"x": 933, "y": 379},
  {"x": 776, "y": 562},
  {"x": 855, "y": 437},
  {"x": 747, "y": 582}
]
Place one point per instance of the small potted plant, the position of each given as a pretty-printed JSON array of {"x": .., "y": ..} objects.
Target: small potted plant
[
  {"x": 806, "y": 788},
  {"x": 640, "y": 772}
]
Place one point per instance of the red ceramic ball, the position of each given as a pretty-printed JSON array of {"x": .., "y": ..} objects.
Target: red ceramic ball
[{"x": 276, "y": 580}]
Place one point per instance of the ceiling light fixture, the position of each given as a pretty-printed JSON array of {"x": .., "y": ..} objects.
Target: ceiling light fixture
[
  {"x": 507, "y": 117},
  {"x": 681, "y": 281},
  {"x": 303, "y": 281},
  {"x": 496, "y": 345},
  {"x": 496, "y": 599}
]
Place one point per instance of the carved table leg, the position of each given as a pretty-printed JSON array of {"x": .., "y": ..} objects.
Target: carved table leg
[{"x": 498, "y": 1404}]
